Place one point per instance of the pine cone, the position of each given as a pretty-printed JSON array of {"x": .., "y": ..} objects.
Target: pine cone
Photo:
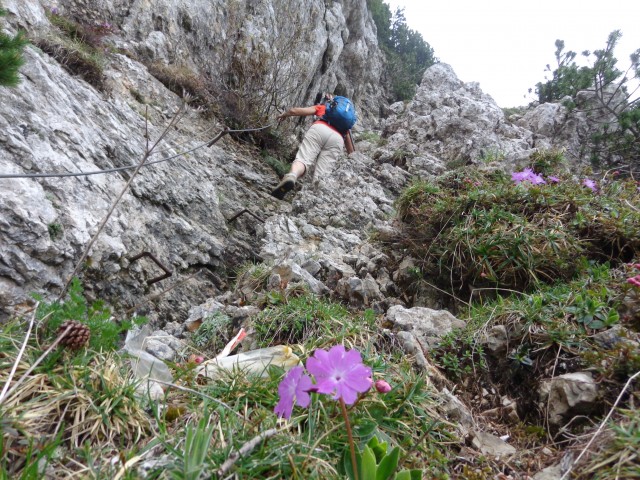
[{"x": 77, "y": 337}]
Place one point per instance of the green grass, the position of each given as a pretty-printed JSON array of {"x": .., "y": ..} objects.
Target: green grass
[
  {"x": 302, "y": 318},
  {"x": 93, "y": 413},
  {"x": 82, "y": 400},
  {"x": 212, "y": 333}
]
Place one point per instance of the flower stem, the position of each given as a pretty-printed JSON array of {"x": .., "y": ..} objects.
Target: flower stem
[{"x": 352, "y": 447}]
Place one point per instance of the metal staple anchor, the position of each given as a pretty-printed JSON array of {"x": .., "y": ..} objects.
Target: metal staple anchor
[
  {"x": 167, "y": 272},
  {"x": 218, "y": 137},
  {"x": 243, "y": 211}
]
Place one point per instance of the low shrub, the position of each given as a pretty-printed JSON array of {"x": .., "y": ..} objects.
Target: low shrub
[
  {"x": 278, "y": 166},
  {"x": 551, "y": 331}
]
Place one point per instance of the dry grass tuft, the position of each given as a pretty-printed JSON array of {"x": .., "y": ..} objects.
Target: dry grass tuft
[
  {"x": 86, "y": 400},
  {"x": 185, "y": 83}
]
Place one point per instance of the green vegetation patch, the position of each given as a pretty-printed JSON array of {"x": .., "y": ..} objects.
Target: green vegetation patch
[
  {"x": 300, "y": 319},
  {"x": 106, "y": 332},
  {"x": 77, "y": 47},
  {"x": 479, "y": 229},
  {"x": 78, "y": 410},
  {"x": 70, "y": 403}
]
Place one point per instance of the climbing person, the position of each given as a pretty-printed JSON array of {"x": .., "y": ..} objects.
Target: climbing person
[{"x": 323, "y": 142}]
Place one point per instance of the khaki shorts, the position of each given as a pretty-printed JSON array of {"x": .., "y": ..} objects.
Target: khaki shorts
[{"x": 320, "y": 148}]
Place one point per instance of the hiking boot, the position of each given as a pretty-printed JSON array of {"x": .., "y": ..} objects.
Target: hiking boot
[{"x": 286, "y": 185}]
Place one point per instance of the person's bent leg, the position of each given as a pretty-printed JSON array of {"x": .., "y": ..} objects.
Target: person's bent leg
[
  {"x": 305, "y": 158},
  {"x": 333, "y": 147},
  {"x": 308, "y": 151}
]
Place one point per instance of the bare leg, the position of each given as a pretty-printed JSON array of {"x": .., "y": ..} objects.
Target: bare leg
[{"x": 298, "y": 168}]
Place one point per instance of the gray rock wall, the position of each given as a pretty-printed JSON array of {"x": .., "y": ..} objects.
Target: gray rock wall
[
  {"x": 449, "y": 123},
  {"x": 293, "y": 47},
  {"x": 178, "y": 210}
]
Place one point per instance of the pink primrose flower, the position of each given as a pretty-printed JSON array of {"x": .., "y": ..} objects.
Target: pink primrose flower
[
  {"x": 339, "y": 373},
  {"x": 553, "y": 179},
  {"x": 294, "y": 388}
]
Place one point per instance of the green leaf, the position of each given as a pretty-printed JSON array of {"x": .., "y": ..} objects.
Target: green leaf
[
  {"x": 346, "y": 463},
  {"x": 368, "y": 464},
  {"x": 388, "y": 465},
  {"x": 416, "y": 474},
  {"x": 404, "y": 475},
  {"x": 596, "y": 324},
  {"x": 379, "y": 448},
  {"x": 374, "y": 442},
  {"x": 366, "y": 429}
]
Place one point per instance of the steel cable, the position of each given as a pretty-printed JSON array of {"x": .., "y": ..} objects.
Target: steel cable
[{"x": 130, "y": 167}]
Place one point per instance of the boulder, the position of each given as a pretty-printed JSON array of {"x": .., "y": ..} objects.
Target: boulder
[
  {"x": 568, "y": 395},
  {"x": 496, "y": 340},
  {"x": 456, "y": 411},
  {"x": 451, "y": 122},
  {"x": 427, "y": 325},
  {"x": 492, "y": 446}
]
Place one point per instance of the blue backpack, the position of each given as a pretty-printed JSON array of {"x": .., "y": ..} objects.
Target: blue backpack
[{"x": 340, "y": 114}]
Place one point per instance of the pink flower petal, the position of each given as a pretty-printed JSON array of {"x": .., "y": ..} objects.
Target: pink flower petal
[{"x": 292, "y": 389}]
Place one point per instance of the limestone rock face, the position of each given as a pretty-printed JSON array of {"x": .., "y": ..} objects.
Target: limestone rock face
[
  {"x": 327, "y": 227},
  {"x": 450, "y": 122},
  {"x": 299, "y": 47},
  {"x": 54, "y": 122}
]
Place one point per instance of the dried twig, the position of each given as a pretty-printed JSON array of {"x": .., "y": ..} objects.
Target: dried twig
[
  {"x": 602, "y": 424},
  {"x": 20, "y": 353},
  {"x": 37, "y": 362},
  {"x": 245, "y": 449}
]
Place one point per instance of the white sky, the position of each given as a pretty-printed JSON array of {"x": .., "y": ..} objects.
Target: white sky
[{"x": 506, "y": 44}]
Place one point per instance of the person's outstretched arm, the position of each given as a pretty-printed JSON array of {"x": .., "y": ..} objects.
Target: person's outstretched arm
[{"x": 298, "y": 112}]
